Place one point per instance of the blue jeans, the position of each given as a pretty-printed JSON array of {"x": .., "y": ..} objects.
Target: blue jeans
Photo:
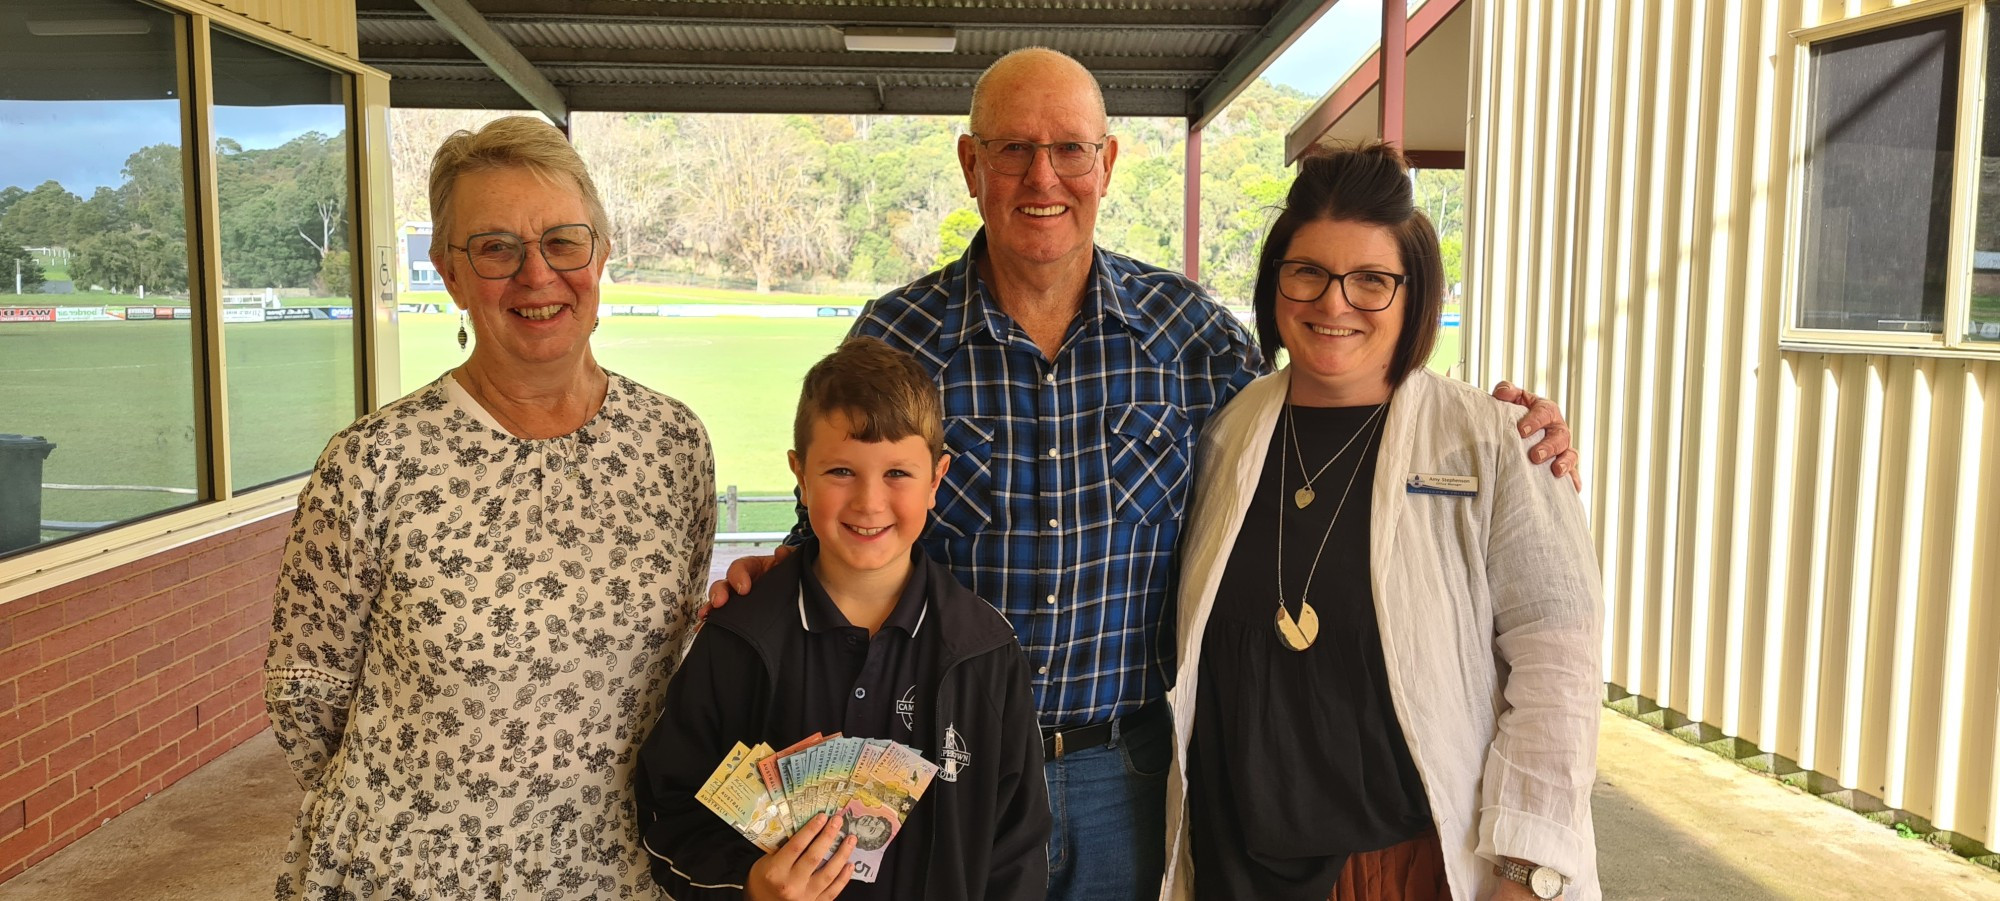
[{"x": 1108, "y": 842}]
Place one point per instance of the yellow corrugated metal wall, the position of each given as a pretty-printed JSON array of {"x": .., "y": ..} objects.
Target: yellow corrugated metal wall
[
  {"x": 1800, "y": 550},
  {"x": 328, "y": 23}
]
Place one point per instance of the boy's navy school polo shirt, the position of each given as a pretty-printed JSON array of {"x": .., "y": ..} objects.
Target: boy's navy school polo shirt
[
  {"x": 865, "y": 688},
  {"x": 856, "y": 686}
]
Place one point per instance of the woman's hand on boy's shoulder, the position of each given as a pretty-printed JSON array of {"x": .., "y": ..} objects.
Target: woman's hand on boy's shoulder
[
  {"x": 795, "y": 872},
  {"x": 742, "y": 572}
]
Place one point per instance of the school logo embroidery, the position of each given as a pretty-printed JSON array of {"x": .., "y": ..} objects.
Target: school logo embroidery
[
  {"x": 953, "y": 754},
  {"x": 906, "y": 708}
]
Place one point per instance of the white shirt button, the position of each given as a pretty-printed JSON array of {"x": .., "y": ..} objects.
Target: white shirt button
[
  {"x": 1054, "y": 525},
  {"x": 1050, "y": 378},
  {"x": 1052, "y": 599},
  {"x": 861, "y": 693},
  {"x": 1156, "y": 433},
  {"x": 1043, "y": 670},
  {"x": 1052, "y": 452}
]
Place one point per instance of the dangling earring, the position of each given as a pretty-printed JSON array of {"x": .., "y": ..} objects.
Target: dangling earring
[
  {"x": 461, "y": 329},
  {"x": 594, "y": 325}
]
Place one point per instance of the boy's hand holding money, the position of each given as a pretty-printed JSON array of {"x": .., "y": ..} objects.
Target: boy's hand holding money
[{"x": 800, "y": 870}]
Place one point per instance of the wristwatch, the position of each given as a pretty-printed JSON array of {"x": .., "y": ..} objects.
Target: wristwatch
[{"x": 1545, "y": 882}]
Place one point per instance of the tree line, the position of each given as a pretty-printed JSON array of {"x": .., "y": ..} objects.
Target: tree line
[
  {"x": 282, "y": 214},
  {"x": 805, "y": 202}
]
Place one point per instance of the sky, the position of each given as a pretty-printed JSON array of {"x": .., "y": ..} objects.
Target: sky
[
  {"x": 83, "y": 144},
  {"x": 1332, "y": 46}
]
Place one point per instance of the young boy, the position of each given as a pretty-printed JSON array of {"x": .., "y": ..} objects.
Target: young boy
[{"x": 859, "y": 634}]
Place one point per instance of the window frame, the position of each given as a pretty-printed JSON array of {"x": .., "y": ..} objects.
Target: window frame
[
  {"x": 220, "y": 507},
  {"x": 1952, "y": 341}
]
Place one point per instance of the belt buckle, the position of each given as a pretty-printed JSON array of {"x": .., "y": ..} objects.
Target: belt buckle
[{"x": 1059, "y": 744}]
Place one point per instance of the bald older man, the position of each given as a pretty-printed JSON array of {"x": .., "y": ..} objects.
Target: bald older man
[{"x": 1075, "y": 381}]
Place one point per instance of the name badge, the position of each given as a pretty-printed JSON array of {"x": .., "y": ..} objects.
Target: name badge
[{"x": 1448, "y": 486}]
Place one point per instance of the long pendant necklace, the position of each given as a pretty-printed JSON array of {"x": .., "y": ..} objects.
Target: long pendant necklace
[
  {"x": 1299, "y": 633},
  {"x": 1304, "y": 496}
]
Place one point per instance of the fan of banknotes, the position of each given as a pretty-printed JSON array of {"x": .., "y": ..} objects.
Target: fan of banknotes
[{"x": 871, "y": 783}]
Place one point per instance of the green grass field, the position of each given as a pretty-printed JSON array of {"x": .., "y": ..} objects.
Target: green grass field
[{"x": 117, "y": 397}]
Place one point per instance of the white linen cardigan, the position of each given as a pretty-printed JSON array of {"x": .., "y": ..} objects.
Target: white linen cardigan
[{"x": 1491, "y": 616}]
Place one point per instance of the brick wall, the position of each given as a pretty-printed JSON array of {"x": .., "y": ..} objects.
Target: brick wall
[{"x": 115, "y": 686}]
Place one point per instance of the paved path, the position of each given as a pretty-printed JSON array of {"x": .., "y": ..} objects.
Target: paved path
[{"x": 1673, "y": 821}]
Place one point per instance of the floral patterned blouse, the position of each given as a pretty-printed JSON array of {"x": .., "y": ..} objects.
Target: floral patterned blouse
[{"x": 473, "y": 633}]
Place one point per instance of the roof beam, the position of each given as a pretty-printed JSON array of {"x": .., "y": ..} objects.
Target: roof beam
[
  {"x": 737, "y": 60},
  {"x": 472, "y": 30},
  {"x": 682, "y": 12},
  {"x": 1321, "y": 117},
  {"x": 804, "y": 99},
  {"x": 1288, "y": 21}
]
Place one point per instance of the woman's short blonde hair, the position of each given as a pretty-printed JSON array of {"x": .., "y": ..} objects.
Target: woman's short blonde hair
[{"x": 511, "y": 141}]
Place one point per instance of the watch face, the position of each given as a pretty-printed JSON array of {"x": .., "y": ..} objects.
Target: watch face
[{"x": 1545, "y": 882}]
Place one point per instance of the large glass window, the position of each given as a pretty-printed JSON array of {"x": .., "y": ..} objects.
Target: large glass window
[
  {"x": 283, "y": 184},
  {"x": 97, "y": 419},
  {"x": 1878, "y": 182}
]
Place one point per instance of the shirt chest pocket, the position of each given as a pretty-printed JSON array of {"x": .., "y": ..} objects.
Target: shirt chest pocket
[
  {"x": 965, "y": 500},
  {"x": 1149, "y": 461}
]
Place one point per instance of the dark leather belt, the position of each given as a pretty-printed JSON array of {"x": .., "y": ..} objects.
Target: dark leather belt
[{"x": 1060, "y": 740}]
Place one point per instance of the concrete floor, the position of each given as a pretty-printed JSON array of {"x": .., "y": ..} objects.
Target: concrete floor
[{"x": 1673, "y": 821}]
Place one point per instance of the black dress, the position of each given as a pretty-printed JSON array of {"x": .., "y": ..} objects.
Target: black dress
[{"x": 1297, "y": 759}]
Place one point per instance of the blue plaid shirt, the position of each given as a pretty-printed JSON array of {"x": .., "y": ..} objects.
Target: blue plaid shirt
[{"x": 1069, "y": 477}]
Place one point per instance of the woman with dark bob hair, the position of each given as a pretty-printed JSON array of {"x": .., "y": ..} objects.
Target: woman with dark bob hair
[{"x": 1389, "y": 619}]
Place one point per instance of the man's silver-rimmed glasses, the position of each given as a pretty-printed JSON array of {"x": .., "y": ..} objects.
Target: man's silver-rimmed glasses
[
  {"x": 499, "y": 255},
  {"x": 1366, "y": 289},
  {"x": 1069, "y": 159}
]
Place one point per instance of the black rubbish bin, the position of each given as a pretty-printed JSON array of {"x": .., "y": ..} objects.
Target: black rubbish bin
[{"x": 21, "y": 459}]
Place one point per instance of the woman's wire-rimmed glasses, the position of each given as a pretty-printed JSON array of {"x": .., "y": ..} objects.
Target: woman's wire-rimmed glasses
[
  {"x": 498, "y": 255},
  {"x": 1366, "y": 289}
]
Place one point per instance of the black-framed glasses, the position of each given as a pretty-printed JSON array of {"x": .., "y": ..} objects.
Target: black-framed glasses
[
  {"x": 499, "y": 255},
  {"x": 1366, "y": 289},
  {"x": 1069, "y": 159}
]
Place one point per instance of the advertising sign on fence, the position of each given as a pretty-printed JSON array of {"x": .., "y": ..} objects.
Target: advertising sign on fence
[
  {"x": 138, "y": 313},
  {"x": 288, "y": 314},
  {"x": 27, "y": 314},
  {"x": 84, "y": 314},
  {"x": 242, "y": 314}
]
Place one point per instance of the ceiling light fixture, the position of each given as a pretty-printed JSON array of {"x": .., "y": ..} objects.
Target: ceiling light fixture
[
  {"x": 83, "y": 27},
  {"x": 900, "y": 40}
]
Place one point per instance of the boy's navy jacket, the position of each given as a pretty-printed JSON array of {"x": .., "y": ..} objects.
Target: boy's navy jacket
[{"x": 987, "y": 829}]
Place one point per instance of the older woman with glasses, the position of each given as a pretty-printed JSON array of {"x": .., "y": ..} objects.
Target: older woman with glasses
[
  {"x": 489, "y": 581},
  {"x": 1389, "y": 620}
]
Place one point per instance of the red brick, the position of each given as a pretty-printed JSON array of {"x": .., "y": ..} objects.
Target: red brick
[
  {"x": 208, "y": 561},
  {"x": 53, "y": 795},
  {"x": 153, "y": 768},
  {"x": 118, "y": 731},
  {"x": 131, "y": 644},
  {"x": 10, "y": 756},
  {"x": 38, "y": 621},
  {"x": 113, "y": 791},
  {"x": 7, "y": 694},
  {"x": 83, "y": 809},
  {"x": 74, "y": 696},
  {"x": 39, "y": 743},
  {"x": 16, "y": 849},
  {"x": 92, "y": 716},
  {"x": 19, "y": 659},
  {"x": 21, "y": 720},
  {"x": 99, "y": 768},
  {"x": 135, "y": 695},
  {"x": 73, "y": 756},
  {"x": 6, "y": 632},
  {"x": 91, "y": 604},
  {"x": 21, "y": 783},
  {"x": 44, "y": 679},
  {"x": 13, "y": 817},
  {"x": 176, "y": 675},
  {"x": 169, "y": 574},
  {"x": 154, "y": 658}
]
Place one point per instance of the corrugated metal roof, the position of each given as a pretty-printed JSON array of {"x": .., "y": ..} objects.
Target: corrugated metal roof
[{"x": 1154, "y": 57}]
